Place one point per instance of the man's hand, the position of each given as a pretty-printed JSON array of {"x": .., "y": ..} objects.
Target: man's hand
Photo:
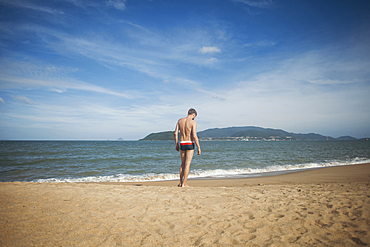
[
  {"x": 199, "y": 151},
  {"x": 177, "y": 147}
]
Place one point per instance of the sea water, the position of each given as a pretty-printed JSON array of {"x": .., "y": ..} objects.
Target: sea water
[{"x": 114, "y": 161}]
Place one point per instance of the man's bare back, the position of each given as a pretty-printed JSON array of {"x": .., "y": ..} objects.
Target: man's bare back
[
  {"x": 186, "y": 127},
  {"x": 188, "y": 137}
]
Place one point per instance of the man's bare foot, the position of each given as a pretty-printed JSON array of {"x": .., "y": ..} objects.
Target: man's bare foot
[
  {"x": 185, "y": 185},
  {"x": 179, "y": 185}
]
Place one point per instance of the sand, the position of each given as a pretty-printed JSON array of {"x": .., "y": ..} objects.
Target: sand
[{"x": 322, "y": 207}]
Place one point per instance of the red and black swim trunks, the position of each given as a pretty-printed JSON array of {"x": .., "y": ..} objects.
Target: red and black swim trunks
[{"x": 186, "y": 145}]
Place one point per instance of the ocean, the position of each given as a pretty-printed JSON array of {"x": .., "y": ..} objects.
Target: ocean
[{"x": 132, "y": 161}]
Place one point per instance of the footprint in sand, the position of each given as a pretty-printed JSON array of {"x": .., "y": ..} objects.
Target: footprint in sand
[{"x": 251, "y": 217}]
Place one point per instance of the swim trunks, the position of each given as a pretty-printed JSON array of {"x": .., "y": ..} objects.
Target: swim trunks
[{"x": 186, "y": 145}]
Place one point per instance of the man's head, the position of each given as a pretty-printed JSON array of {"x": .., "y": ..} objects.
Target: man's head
[{"x": 192, "y": 111}]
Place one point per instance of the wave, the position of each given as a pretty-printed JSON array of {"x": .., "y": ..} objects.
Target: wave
[{"x": 203, "y": 174}]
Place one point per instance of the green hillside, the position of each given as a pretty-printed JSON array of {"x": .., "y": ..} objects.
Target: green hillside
[
  {"x": 254, "y": 133},
  {"x": 161, "y": 136},
  {"x": 236, "y": 132}
]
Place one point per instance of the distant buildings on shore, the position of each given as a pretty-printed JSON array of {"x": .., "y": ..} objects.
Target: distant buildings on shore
[{"x": 250, "y": 138}]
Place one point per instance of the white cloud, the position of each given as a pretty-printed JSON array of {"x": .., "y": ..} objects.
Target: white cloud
[
  {"x": 83, "y": 3},
  {"x": 209, "y": 49},
  {"x": 138, "y": 26},
  {"x": 93, "y": 121},
  {"x": 262, "y": 43},
  {"x": 58, "y": 85},
  {"x": 24, "y": 100},
  {"x": 2, "y": 101},
  {"x": 256, "y": 3},
  {"x": 157, "y": 59},
  {"x": 58, "y": 90},
  {"x": 32, "y": 75},
  {"x": 117, "y": 4},
  {"x": 311, "y": 92},
  {"x": 147, "y": 61},
  {"x": 23, "y": 4},
  {"x": 211, "y": 61}
]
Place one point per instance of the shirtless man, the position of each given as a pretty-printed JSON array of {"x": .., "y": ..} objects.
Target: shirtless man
[{"x": 188, "y": 136}]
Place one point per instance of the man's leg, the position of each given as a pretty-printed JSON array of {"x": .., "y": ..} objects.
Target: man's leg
[
  {"x": 182, "y": 167},
  {"x": 188, "y": 157}
]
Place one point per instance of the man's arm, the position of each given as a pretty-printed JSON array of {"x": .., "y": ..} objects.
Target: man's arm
[
  {"x": 195, "y": 137},
  {"x": 177, "y": 136}
]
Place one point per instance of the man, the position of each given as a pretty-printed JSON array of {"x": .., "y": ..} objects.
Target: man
[{"x": 188, "y": 136}]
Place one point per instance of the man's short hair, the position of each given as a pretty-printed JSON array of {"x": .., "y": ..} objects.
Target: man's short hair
[{"x": 191, "y": 111}]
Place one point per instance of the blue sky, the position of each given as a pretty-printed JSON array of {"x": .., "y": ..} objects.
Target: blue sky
[{"x": 78, "y": 69}]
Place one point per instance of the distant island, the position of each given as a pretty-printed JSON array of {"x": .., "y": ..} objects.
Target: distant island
[{"x": 247, "y": 133}]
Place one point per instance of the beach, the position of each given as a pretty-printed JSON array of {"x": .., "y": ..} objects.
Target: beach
[{"x": 319, "y": 207}]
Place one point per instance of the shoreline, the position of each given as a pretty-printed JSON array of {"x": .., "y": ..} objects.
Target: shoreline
[
  {"x": 320, "y": 207},
  {"x": 334, "y": 174},
  {"x": 331, "y": 174},
  {"x": 159, "y": 178}
]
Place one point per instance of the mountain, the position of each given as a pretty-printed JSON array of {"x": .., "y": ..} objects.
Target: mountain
[
  {"x": 346, "y": 138},
  {"x": 252, "y": 132},
  {"x": 161, "y": 136},
  {"x": 238, "y": 131},
  {"x": 255, "y": 133},
  {"x": 225, "y": 132},
  {"x": 312, "y": 136}
]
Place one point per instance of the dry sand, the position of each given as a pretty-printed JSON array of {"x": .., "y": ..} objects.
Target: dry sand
[{"x": 323, "y": 207}]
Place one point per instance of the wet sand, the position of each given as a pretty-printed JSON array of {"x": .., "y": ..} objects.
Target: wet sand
[{"x": 321, "y": 207}]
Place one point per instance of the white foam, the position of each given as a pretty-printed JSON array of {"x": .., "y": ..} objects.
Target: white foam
[
  {"x": 114, "y": 178},
  {"x": 219, "y": 173},
  {"x": 216, "y": 173}
]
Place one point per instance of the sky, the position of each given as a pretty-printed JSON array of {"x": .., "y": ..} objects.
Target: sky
[{"x": 105, "y": 69}]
